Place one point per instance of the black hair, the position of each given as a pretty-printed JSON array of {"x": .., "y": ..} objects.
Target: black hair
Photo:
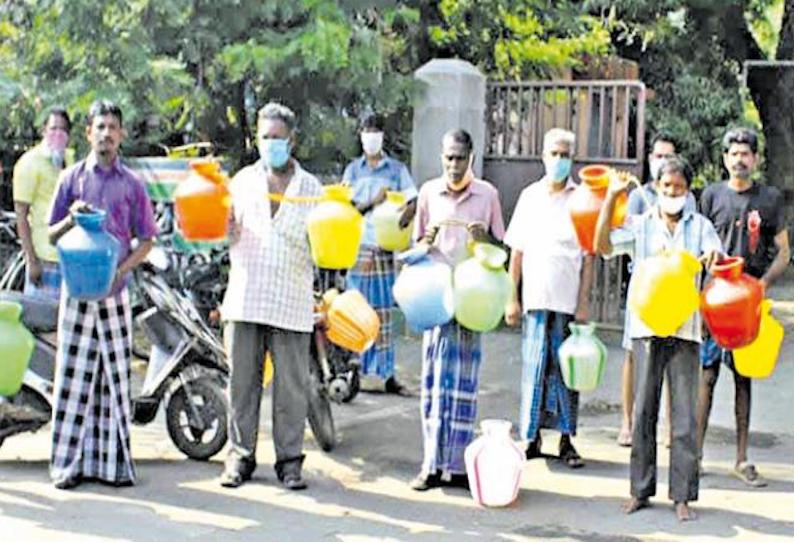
[
  {"x": 372, "y": 120},
  {"x": 461, "y": 136},
  {"x": 665, "y": 136},
  {"x": 676, "y": 164},
  {"x": 740, "y": 136},
  {"x": 104, "y": 107},
  {"x": 59, "y": 111}
]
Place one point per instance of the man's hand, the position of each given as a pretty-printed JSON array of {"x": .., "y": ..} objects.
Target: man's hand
[
  {"x": 513, "y": 313},
  {"x": 582, "y": 314},
  {"x": 34, "y": 270},
  {"x": 710, "y": 259},
  {"x": 80, "y": 206},
  {"x": 407, "y": 213},
  {"x": 380, "y": 197},
  {"x": 430, "y": 235},
  {"x": 618, "y": 182},
  {"x": 478, "y": 232}
]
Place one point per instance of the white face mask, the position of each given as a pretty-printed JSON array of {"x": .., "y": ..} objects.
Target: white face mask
[
  {"x": 372, "y": 143},
  {"x": 671, "y": 205}
]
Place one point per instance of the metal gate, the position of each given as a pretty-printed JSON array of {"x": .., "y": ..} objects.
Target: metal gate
[{"x": 608, "y": 118}]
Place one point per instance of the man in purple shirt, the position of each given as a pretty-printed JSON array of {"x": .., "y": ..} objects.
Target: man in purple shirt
[{"x": 91, "y": 414}]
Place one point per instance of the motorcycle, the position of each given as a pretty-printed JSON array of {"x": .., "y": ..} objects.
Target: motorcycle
[
  {"x": 333, "y": 375},
  {"x": 186, "y": 370}
]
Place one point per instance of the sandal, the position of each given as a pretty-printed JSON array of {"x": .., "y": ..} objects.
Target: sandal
[
  {"x": 533, "y": 449},
  {"x": 746, "y": 472},
  {"x": 570, "y": 456}
]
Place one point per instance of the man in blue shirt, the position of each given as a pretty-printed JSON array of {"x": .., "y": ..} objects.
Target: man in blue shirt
[{"x": 371, "y": 176}]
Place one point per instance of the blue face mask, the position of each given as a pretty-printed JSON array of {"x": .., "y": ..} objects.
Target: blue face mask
[
  {"x": 274, "y": 152},
  {"x": 558, "y": 169}
]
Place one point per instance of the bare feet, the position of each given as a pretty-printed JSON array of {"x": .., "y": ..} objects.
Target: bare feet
[
  {"x": 624, "y": 436},
  {"x": 684, "y": 513},
  {"x": 634, "y": 504}
]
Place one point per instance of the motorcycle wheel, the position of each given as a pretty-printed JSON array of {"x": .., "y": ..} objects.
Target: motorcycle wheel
[
  {"x": 320, "y": 418},
  {"x": 355, "y": 385},
  {"x": 209, "y": 398}
]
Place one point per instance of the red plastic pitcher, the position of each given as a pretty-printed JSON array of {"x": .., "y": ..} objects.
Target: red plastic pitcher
[
  {"x": 731, "y": 304},
  {"x": 202, "y": 202},
  {"x": 586, "y": 202}
]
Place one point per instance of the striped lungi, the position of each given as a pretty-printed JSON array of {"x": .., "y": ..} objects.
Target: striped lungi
[
  {"x": 450, "y": 377},
  {"x": 546, "y": 403},
  {"x": 374, "y": 277},
  {"x": 91, "y": 415}
]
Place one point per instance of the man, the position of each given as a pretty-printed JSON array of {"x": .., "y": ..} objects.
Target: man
[
  {"x": 35, "y": 177},
  {"x": 91, "y": 415},
  {"x": 371, "y": 176},
  {"x": 662, "y": 147},
  {"x": 451, "y": 354},
  {"x": 667, "y": 225},
  {"x": 556, "y": 277},
  {"x": 750, "y": 220},
  {"x": 269, "y": 303}
]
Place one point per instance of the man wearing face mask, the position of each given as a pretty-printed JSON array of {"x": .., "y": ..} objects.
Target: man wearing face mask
[
  {"x": 269, "y": 302},
  {"x": 451, "y": 210},
  {"x": 667, "y": 225},
  {"x": 371, "y": 176},
  {"x": 556, "y": 278},
  {"x": 35, "y": 177},
  {"x": 750, "y": 219},
  {"x": 662, "y": 148}
]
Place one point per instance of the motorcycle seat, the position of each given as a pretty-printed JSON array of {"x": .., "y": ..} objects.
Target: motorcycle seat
[{"x": 39, "y": 315}]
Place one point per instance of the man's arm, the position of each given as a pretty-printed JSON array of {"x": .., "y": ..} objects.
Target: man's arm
[
  {"x": 582, "y": 313},
  {"x": 781, "y": 260},
  {"x": 135, "y": 258},
  {"x": 32, "y": 262},
  {"x": 513, "y": 309}
]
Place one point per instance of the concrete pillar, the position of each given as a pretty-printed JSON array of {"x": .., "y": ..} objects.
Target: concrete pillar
[{"x": 452, "y": 96}]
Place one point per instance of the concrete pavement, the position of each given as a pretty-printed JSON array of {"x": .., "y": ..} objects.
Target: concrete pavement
[{"x": 359, "y": 491}]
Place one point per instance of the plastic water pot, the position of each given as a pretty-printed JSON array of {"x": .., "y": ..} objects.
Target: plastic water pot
[
  {"x": 662, "y": 292},
  {"x": 16, "y": 347},
  {"x": 423, "y": 290},
  {"x": 585, "y": 204},
  {"x": 386, "y": 222},
  {"x": 731, "y": 304},
  {"x": 582, "y": 358},
  {"x": 494, "y": 464},
  {"x": 335, "y": 229},
  {"x": 202, "y": 202},
  {"x": 88, "y": 256},
  {"x": 758, "y": 359},
  {"x": 352, "y": 323},
  {"x": 482, "y": 288}
]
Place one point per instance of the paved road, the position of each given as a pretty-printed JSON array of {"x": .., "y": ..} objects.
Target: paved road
[{"x": 359, "y": 493}]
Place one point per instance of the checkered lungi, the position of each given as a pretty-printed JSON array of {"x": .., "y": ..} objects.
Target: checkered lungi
[
  {"x": 451, "y": 358},
  {"x": 91, "y": 416},
  {"x": 546, "y": 403},
  {"x": 373, "y": 276}
]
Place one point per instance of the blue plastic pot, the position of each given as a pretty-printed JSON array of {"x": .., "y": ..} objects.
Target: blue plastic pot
[{"x": 88, "y": 257}]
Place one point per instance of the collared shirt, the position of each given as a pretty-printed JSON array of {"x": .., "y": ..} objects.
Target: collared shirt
[
  {"x": 479, "y": 202},
  {"x": 35, "y": 179},
  {"x": 272, "y": 272},
  {"x": 551, "y": 264},
  {"x": 367, "y": 182},
  {"x": 118, "y": 191},
  {"x": 646, "y": 235},
  {"x": 641, "y": 198}
]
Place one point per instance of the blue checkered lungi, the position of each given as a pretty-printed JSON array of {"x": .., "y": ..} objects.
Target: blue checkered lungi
[
  {"x": 451, "y": 358},
  {"x": 373, "y": 276},
  {"x": 546, "y": 403}
]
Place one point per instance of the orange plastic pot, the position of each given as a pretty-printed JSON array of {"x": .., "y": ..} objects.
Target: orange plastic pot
[
  {"x": 352, "y": 323},
  {"x": 202, "y": 202},
  {"x": 731, "y": 304},
  {"x": 586, "y": 201}
]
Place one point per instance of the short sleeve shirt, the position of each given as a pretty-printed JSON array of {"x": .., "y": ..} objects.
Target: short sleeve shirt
[
  {"x": 118, "y": 191},
  {"x": 34, "y": 182},
  {"x": 747, "y": 222},
  {"x": 551, "y": 263},
  {"x": 367, "y": 182}
]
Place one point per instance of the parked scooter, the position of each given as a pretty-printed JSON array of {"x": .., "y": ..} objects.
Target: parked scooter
[{"x": 187, "y": 369}]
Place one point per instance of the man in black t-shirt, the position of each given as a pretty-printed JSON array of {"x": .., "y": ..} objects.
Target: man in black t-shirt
[{"x": 750, "y": 220}]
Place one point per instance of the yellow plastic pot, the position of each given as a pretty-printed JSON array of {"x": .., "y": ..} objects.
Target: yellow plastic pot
[
  {"x": 386, "y": 222},
  {"x": 335, "y": 229},
  {"x": 758, "y": 359}
]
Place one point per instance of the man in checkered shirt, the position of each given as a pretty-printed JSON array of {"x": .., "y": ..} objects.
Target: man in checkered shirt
[{"x": 269, "y": 303}]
